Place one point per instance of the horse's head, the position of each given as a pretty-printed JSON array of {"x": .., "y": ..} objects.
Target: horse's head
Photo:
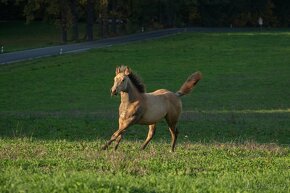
[{"x": 120, "y": 80}]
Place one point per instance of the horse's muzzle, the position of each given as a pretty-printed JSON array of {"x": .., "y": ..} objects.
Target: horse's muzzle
[{"x": 114, "y": 92}]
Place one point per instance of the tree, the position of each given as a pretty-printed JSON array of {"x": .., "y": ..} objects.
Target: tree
[
  {"x": 282, "y": 11},
  {"x": 237, "y": 12},
  {"x": 187, "y": 13},
  {"x": 64, "y": 18},
  {"x": 57, "y": 11},
  {"x": 75, "y": 17},
  {"x": 11, "y": 10},
  {"x": 90, "y": 19},
  {"x": 134, "y": 15}
]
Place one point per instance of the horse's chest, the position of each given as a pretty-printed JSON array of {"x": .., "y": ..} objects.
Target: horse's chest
[{"x": 129, "y": 110}]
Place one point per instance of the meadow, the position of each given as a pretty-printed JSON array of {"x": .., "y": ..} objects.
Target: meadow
[{"x": 56, "y": 112}]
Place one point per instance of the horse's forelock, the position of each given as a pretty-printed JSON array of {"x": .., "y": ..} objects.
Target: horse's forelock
[{"x": 121, "y": 69}]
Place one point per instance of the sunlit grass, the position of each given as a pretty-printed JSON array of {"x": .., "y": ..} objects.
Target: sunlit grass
[{"x": 81, "y": 167}]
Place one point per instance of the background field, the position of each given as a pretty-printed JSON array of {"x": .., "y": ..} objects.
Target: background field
[{"x": 234, "y": 133}]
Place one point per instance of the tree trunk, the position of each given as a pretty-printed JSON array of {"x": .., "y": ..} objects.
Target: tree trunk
[
  {"x": 101, "y": 32},
  {"x": 114, "y": 18},
  {"x": 63, "y": 22},
  {"x": 103, "y": 18},
  {"x": 114, "y": 26},
  {"x": 90, "y": 20},
  {"x": 74, "y": 11}
]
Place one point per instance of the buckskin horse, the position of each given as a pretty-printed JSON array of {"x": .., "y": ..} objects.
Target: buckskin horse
[{"x": 139, "y": 107}]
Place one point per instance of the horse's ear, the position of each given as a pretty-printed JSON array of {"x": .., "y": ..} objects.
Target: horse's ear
[
  {"x": 127, "y": 71},
  {"x": 117, "y": 70}
]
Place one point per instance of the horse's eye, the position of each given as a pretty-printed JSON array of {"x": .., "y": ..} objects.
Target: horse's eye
[{"x": 123, "y": 80}]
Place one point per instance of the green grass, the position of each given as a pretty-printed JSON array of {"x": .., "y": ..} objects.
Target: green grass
[
  {"x": 62, "y": 166},
  {"x": 55, "y": 113}
]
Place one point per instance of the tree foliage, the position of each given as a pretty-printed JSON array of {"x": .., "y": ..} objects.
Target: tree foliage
[{"x": 118, "y": 16}]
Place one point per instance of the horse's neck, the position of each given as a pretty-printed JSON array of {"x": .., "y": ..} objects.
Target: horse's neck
[
  {"x": 131, "y": 103},
  {"x": 131, "y": 96}
]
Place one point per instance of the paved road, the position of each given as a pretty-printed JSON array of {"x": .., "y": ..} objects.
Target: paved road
[{"x": 12, "y": 57}]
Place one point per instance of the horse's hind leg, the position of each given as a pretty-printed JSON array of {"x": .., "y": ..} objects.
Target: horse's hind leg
[
  {"x": 150, "y": 135},
  {"x": 174, "y": 133}
]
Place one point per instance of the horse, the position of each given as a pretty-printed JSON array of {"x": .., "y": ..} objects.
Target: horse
[{"x": 139, "y": 107}]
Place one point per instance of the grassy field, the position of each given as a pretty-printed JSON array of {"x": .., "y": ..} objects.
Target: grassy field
[{"x": 234, "y": 134}]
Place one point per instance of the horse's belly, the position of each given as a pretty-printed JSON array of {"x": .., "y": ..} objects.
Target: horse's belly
[
  {"x": 151, "y": 117},
  {"x": 156, "y": 110}
]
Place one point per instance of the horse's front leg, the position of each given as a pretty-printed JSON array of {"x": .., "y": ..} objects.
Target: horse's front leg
[
  {"x": 118, "y": 140},
  {"x": 116, "y": 135},
  {"x": 123, "y": 125}
]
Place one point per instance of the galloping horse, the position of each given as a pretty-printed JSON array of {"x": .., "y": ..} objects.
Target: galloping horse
[{"x": 138, "y": 107}]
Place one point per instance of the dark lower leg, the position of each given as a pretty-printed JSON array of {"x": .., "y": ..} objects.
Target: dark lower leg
[
  {"x": 118, "y": 140},
  {"x": 113, "y": 138}
]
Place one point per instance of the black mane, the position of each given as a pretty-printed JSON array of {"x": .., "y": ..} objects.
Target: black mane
[
  {"x": 133, "y": 77},
  {"x": 137, "y": 82}
]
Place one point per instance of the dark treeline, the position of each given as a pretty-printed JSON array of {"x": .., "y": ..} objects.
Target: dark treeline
[{"x": 115, "y": 17}]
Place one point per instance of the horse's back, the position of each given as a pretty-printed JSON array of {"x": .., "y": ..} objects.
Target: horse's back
[
  {"x": 160, "y": 92},
  {"x": 174, "y": 104},
  {"x": 159, "y": 104},
  {"x": 166, "y": 96}
]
